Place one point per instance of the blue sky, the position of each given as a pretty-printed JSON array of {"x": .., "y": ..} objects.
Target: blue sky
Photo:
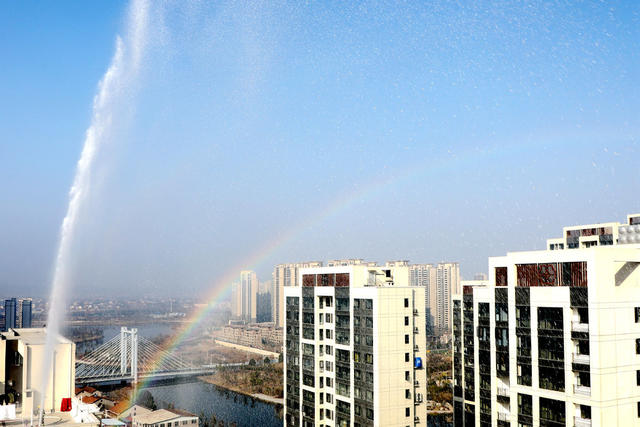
[{"x": 491, "y": 125}]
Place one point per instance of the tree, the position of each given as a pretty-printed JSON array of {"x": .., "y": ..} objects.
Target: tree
[
  {"x": 145, "y": 398},
  {"x": 280, "y": 359},
  {"x": 252, "y": 362},
  {"x": 266, "y": 360}
]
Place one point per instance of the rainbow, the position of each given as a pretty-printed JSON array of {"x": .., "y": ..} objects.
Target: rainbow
[{"x": 222, "y": 287}]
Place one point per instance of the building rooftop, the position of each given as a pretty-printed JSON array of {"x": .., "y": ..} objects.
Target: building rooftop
[
  {"x": 31, "y": 336},
  {"x": 159, "y": 416}
]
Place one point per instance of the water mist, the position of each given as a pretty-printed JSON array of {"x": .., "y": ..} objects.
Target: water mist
[{"x": 118, "y": 82}]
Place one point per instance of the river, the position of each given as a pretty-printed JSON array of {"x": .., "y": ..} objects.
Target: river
[{"x": 204, "y": 398}]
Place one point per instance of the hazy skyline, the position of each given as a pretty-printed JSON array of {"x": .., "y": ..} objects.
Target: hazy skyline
[{"x": 426, "y": 132}]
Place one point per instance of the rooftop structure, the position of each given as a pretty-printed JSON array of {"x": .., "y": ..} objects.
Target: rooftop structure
[{"x": 603, "y": 234}]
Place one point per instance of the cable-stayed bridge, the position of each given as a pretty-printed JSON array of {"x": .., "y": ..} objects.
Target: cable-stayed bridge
[{"x": 131, "y": 358}]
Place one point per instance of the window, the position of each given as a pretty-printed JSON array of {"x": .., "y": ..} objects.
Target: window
[
  {"x": 407, "y": 411},
  {"x": 637, "y": 312},
  {"x": 406, "y": 302},
  {"x": 638, "y": 409},
  {"x": 368, "y": 358},
  {"x": 406, "y": 357},
  {"x": 406, "y": 376},
  {"x": 638, "y": 378},
  {"x": 406, "y": 320},
  {"x": 407, "y": 394},
  {"x": 637, "y": 345},
  {"x": 406, "y": 339},
  {"x": 369, "y": 414}
]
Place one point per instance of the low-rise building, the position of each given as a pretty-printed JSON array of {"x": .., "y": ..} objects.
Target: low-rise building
[
  {"x": 164, "y": 418},
  {"x": 263, "y": 336}
]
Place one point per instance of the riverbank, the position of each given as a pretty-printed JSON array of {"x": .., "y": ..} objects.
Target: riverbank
[
  {"x": 262, "y": 382},
  {"x": 259, "y": 396}
]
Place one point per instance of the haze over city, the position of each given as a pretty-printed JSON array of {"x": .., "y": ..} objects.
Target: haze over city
[{"x": 256, "y": 134}]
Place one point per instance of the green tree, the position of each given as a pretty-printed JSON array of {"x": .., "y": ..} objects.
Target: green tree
[
  {"x": 252, "y": 362},
  {"x": 267, "y": 360}
]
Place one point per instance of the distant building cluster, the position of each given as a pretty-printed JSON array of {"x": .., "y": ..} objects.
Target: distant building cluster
[
  {"x": 265, "y": 336},
  {"x": 17, "y": 313}
]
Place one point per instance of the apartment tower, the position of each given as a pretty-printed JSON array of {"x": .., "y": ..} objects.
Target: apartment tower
[
  {"x": 553, "y": 337},
  {"x": 440, "y": 282},
  {"x": 244, "y": 297},
  {"x": 285, "y": 275},
  {"x": 355, "y": 348}
]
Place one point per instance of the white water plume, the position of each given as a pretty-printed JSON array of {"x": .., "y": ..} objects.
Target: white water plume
[{"x": 118, "y": 81}]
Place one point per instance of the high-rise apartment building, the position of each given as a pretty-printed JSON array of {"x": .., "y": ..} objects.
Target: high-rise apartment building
[
  {"x": 24, "y": 313},
  {"x": 285, "y": 275},
  {"x": 440, "y": 282},
  {"x": 244, "y": 297},
  {"x": 552, "y": 338},
  {"x": 10, "y": 313},
  {"x": 355, "y": 348}
]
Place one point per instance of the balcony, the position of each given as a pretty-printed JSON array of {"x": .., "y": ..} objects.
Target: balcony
[
  {"x": 502, "y": 391},
  {"x": 416, "y": 420},
  {"x": 416, "y": 383},
  {"x": 415, "y": 311},
  {"x": 581, "y": 390},
  {"x": 579, "y": 327},
  {"x": 581, "y": 422},
  {"x": 504, "y": 416},
  {"x": 582, "y": 359},
  {"x": 415, "y": 347}
]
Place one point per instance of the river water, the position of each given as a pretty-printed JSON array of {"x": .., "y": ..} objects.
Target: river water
[{"x": 203, "y": 398}]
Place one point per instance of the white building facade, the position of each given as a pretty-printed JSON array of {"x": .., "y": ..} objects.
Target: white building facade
[
  {"x": 551, "y": 339},
  {"x": 355, "y": 348}
]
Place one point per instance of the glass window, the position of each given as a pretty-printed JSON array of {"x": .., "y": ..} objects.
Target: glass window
[
  {"x": 406, "y": 302},
  {"x": 637, "y": 310}
]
